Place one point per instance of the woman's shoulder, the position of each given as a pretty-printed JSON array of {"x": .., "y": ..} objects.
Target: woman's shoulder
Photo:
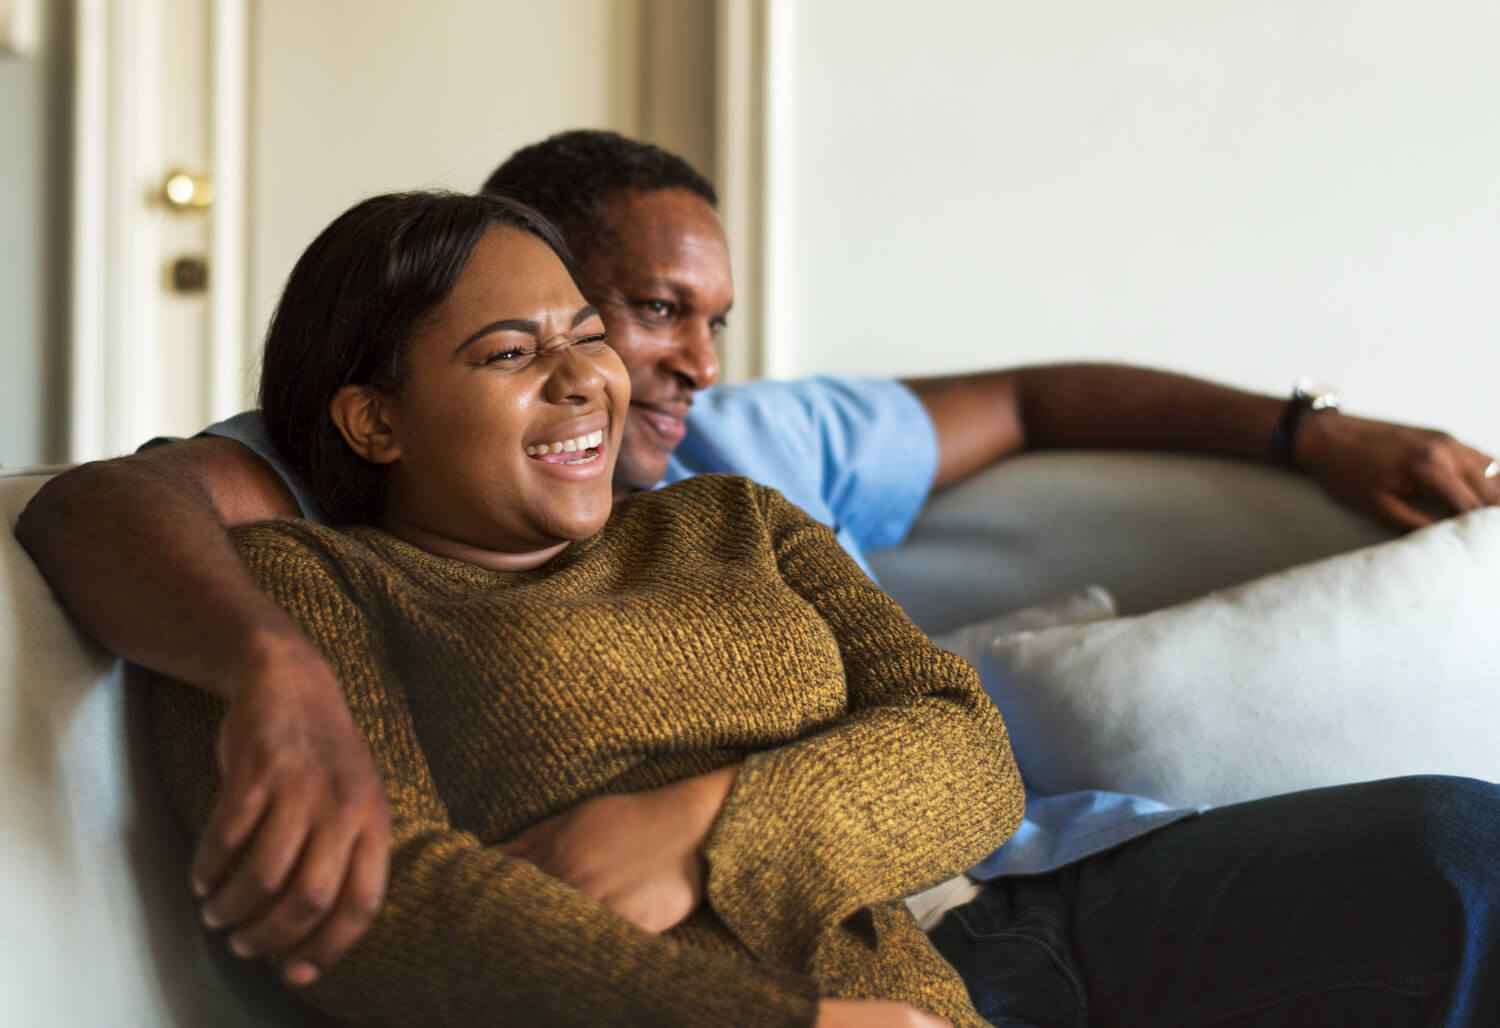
[
  {"x": 297, "y": 546},
  {"x": 709, "y": 504},
  {"x": 290, "y": 535},
  {"x": 710, "y": 490}
]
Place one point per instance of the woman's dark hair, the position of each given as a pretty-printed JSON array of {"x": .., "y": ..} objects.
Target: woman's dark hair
[
  {"x": 568, "y": 177},
  {"x": 349, "y": 311}
]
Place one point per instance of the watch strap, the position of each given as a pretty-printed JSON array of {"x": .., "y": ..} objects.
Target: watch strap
[
  {"x": 1305, "y": 400},
  {"x": 1284, "y": 435}
]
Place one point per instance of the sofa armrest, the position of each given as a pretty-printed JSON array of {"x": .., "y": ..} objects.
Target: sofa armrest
[
  {"x": 98, "y": 926},
  {"x": 1153, "y": 528}
]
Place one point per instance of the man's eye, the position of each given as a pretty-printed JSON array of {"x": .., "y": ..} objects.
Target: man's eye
[
  {"x": 718, "y": 325},
  {"x": 659, "y": 308},
  {"x": 598, "y": 339}
]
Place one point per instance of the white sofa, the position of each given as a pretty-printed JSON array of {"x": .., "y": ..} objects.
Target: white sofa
[{"x": 96, "y": 926}]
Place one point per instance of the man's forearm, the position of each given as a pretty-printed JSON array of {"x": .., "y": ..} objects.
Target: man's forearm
[
  {"x": 982, "y": 417},
  {"x": 139, "y": 554},
  {"x": 1401, "y": 475},
  {"x": 1114, "y": 405}
]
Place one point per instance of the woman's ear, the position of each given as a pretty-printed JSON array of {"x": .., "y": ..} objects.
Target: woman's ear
[{"x": 360, "y": 414}]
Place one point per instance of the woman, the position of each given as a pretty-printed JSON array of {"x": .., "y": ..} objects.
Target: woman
[{"x": 540, "y": 673}]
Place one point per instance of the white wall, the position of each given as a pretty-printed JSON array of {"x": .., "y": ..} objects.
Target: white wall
[
  {"x": 1250, "y": 191},
  {"x": 351, "y": 98}
]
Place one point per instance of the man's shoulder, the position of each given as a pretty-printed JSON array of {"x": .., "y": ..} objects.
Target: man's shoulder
[
  {"x": 858, "y": 454},
  {"x": 797, "y": 435},
  {"x": 247, "y": 429},
  {"x": 810, "y": 399}
]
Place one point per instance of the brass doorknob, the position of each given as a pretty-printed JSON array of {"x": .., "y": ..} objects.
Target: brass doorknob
[{"x": 185, "y": 192}]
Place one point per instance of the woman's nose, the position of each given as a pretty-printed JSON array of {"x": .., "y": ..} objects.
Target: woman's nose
[{"x": 575, "y": 376}]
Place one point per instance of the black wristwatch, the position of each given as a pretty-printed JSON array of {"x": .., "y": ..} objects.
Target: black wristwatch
[{"x": 1307, "y": 398}]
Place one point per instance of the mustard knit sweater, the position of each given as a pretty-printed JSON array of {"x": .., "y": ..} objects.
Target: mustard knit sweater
[{"x": 707, "y": 624}]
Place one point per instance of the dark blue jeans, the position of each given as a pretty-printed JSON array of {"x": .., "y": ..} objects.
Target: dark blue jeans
[{"x": 1364, "y": 905}]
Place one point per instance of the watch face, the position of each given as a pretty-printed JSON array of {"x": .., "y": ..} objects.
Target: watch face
[{"x": 1319, "y": 396}]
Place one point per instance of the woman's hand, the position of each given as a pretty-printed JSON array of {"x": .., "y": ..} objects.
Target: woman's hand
[
  {"x": 637, "y": 853},
  {"x": 873, "y": 1013}
]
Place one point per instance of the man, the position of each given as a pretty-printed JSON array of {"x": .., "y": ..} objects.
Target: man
[{"x": 861, "y": 455}]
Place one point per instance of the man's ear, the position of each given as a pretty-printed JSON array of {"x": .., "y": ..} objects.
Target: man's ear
[{"x": 360, "y": 414}]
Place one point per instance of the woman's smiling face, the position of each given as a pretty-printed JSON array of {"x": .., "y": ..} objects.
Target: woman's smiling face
[{"x": 501, "y": 440}]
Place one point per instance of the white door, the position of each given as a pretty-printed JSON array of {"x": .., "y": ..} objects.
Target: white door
[{"x": 158, "y": 329}]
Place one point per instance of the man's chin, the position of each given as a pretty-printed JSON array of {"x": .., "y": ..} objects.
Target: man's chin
[{"x": 632, "y": 475}]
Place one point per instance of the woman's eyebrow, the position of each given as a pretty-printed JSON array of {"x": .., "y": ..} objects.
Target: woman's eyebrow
[{"x": 525, "y": 325}]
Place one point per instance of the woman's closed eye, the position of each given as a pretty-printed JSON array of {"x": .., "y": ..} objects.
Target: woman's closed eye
[
  {"x": 509, "y": 356},
  {"x": 520, "y": 356}
]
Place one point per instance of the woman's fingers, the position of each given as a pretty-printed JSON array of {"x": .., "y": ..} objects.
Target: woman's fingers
[{"x": 874, "y": 1013}]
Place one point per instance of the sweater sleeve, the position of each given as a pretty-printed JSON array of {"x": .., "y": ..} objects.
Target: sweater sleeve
[
  {"x": 466, "y": 935},
  {"x": 913, "y": 785}
]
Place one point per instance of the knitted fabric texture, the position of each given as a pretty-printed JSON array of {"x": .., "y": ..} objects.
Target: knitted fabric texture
[{"x": 708, "y": 624}]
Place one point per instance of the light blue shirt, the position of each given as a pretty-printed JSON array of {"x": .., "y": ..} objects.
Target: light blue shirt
[{"x": 859, "y": 455}]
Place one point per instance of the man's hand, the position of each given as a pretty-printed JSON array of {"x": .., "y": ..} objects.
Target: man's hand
[
  {"x": 303, "y": 806},
  {"x": 1405, "y": 477},
  {"x": 873, "y": 1013},
  {"x": 637, "y": 853}
]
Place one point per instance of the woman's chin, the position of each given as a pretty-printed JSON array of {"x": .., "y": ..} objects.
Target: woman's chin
[{"x": 579, "y": 523}]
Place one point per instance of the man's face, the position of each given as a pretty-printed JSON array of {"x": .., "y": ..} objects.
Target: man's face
[{"x": 661, "y": 280}]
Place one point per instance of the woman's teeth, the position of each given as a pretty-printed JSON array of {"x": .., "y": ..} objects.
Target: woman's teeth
[{"x": 583, "y": 442}]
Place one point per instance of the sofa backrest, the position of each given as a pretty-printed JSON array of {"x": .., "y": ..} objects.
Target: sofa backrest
[
  {"x": 1154, "y": 529},
  {"x": 97, "y": 925}
]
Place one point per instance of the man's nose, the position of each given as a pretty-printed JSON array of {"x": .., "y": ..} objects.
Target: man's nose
[{"x": 695, "y": 357}]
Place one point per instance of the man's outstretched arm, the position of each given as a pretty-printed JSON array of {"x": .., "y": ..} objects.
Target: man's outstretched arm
[
  {"x": 137, "y": 549},
  {"x": 1395, "y": 473}
]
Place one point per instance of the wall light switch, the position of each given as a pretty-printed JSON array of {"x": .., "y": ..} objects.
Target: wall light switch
[{"x": 20, "y": 27}]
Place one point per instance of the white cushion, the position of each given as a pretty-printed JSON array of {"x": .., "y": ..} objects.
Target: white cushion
[
  {"x": 971, "y": 642},
  {"x": 1375, "y": 663}
]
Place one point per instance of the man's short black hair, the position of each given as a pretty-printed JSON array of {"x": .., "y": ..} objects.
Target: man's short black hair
[{"x": 567, "y": 177}]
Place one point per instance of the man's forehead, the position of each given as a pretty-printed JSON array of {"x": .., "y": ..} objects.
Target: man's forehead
[
  {"x": 663, "y": 216},
  {"x": 670, "y": 239}
]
